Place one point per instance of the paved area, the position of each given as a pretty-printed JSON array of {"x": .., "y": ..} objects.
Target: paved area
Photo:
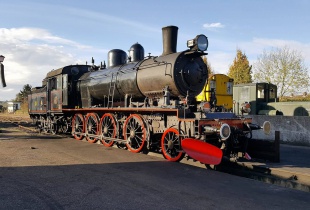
[
  {"x": 294, "y": 165},
  {"x": 49, "y": 172}
]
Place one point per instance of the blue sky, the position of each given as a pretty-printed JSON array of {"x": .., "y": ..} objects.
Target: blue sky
[{"x": 37, "y": 36}]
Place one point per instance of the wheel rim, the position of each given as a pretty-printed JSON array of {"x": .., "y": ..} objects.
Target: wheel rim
[
  {"x": 135, "y": 133},
  {"x": 107, "y": 129},
  {"x": 78, "y": 125},
  {"x": 171, "y": 145},
  {"x": 91, "y": 127}
]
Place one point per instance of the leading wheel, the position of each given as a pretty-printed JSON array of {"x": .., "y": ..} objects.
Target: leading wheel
[
  {"x": 171, "y": 145},
  {"x": 107, "y": 128},
  {"x": 91, "y": 127},
  {"x": 135, "y": 132},
  {"x": 78, "y": 126}
]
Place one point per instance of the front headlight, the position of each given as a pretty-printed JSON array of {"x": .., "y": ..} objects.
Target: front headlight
[
  {"x": 200, "y": 43},
  {"x": 267, "y": 127},
  {"x": 225, "y": 131}
]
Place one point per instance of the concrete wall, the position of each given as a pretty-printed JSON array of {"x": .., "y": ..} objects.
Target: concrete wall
[
  {"x": 293, "y": 129},
  {"x": 298, "y": 108}
]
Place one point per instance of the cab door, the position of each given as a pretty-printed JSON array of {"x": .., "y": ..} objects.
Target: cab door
[{"x": 55, "y": 94}]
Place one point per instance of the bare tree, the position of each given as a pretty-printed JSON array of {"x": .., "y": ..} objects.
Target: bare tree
[{"x": 283, "y": 67}]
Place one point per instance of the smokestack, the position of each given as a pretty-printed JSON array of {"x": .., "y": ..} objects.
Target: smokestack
[{"x": 170, "y": 38}]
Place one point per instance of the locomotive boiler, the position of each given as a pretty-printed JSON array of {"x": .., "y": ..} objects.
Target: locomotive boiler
[
  {"x": 143, "y": 104},
  {"x": 158, "y": 79}
]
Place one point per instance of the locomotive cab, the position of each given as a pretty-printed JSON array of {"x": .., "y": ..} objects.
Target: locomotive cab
[
  {"x": 58, "y": 90},
  {"x": 61, "y": 85}
]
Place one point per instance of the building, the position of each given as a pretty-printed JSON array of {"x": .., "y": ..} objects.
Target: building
[{"x": 13, "y": 106}]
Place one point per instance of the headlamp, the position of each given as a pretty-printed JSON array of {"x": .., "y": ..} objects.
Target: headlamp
[
  {"x": 225, "y": 131},
  {"x": 267, "y": 127},
  {"x": 199, "y": 43}
]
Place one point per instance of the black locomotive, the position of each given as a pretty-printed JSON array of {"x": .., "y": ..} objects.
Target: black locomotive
[{"x": 142, "y": 103}]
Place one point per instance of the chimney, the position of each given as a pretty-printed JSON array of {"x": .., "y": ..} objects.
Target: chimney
[{"x": 170, "y": 38}]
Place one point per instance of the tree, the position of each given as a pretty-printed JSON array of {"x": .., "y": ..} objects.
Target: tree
[
  {"x": 23, "y": 93},
  {"x": 240, "y": 70},
  {"x": 283, "y": 67},
  {"x": 210, "y": 69}
]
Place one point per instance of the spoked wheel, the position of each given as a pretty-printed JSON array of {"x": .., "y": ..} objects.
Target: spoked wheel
[
  {"x": 36, "y": 121},
  {"x": 51, "y": 124},
  {"x": 78, "y": 126},
  {"x": 64, "y": 125},
  {"x": 92, "y": 124},
  {"x": 135, "y": 133},
  {"x": 44, "y": 127},
  {"x": 54, "y": 127},
  {"x": 40, "y": 123},
  {"x": 107, "y": 128},
  {"x": 171, "y": 145}
]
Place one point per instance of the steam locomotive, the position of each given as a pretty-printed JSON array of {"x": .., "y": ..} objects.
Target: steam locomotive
[{"x": 143, "y": 104}]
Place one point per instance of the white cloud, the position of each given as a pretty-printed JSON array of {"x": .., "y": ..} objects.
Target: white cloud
[
  {"x": 34, "y": 35},
  {"x": 211, "y": 26},
  {"x": 32, "y": 52}
]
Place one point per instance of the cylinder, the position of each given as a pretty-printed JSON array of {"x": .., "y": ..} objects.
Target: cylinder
[{"x": 170, "y": 37}]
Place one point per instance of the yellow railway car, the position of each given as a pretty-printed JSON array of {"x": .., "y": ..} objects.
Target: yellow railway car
[{"x": 219, "y": 88}]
